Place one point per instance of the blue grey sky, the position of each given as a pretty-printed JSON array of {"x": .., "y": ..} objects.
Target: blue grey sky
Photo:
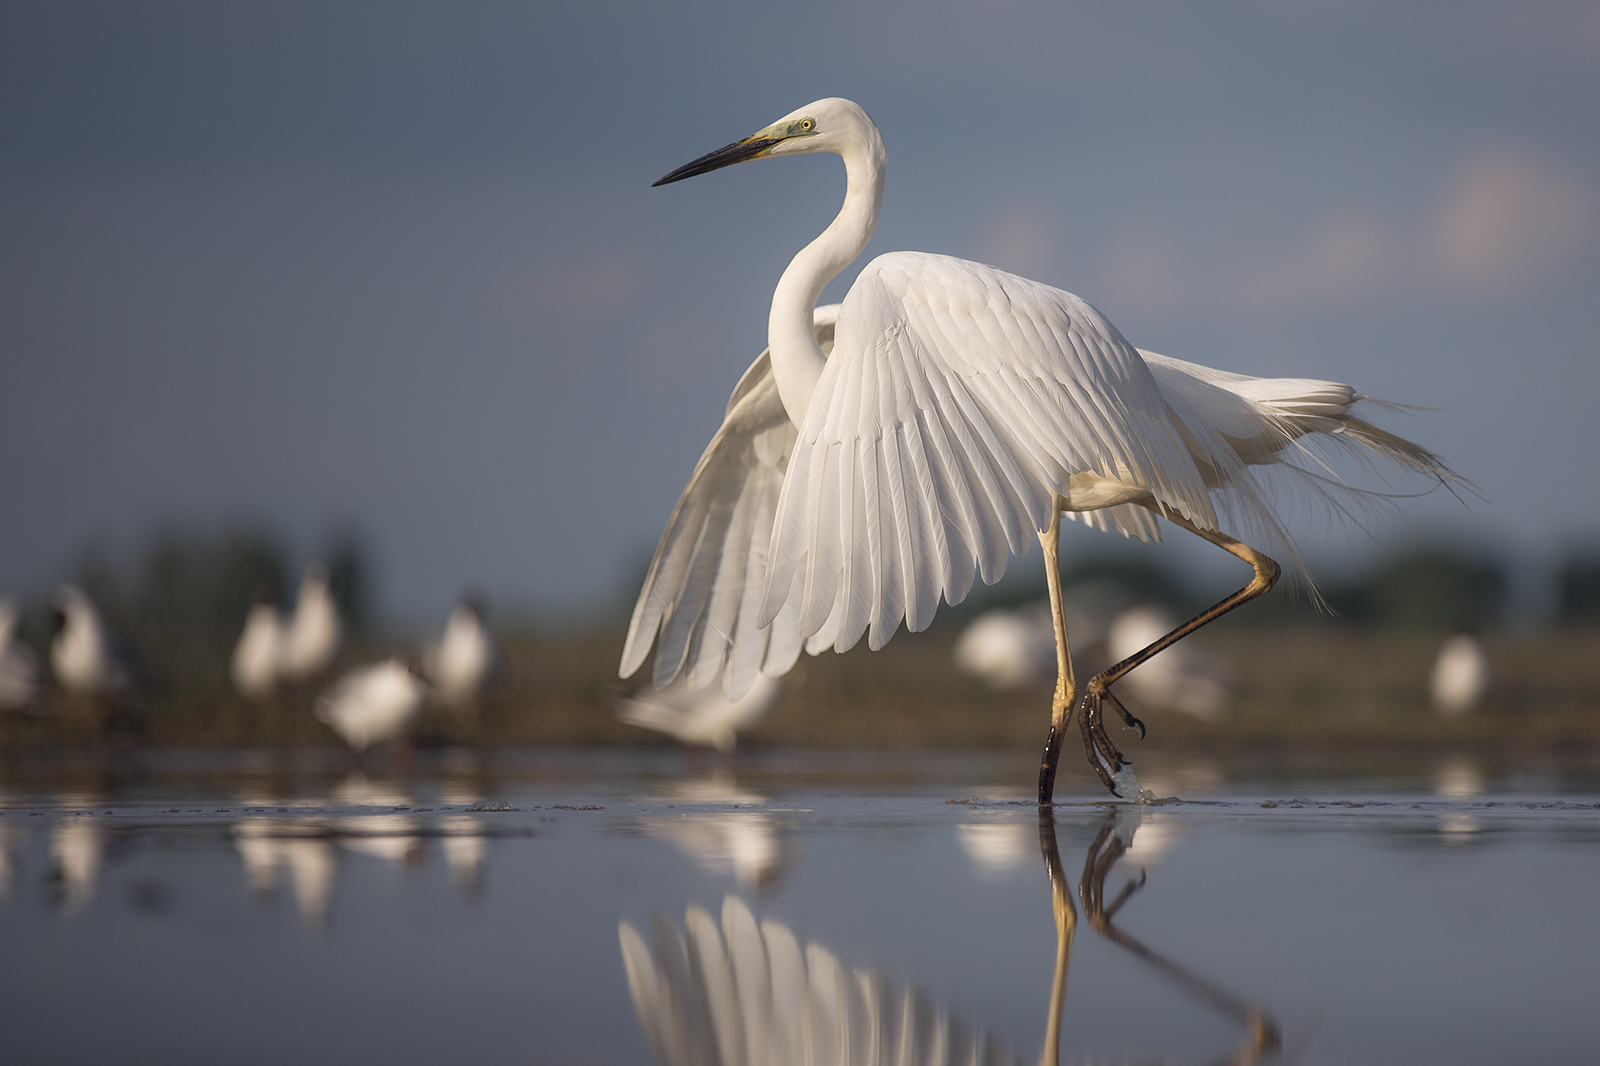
[{"x": 400, "y": 265}]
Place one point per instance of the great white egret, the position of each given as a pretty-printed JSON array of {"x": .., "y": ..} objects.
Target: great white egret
[
  {"x": 706, "y": 717},
  {"x": 1460, "y": 676},
  {"x": 312, "y": 638},
  {"x": 960, "y": 408},
  {"x": 87, "y": 657},
  {"x": 258, "y": 657},
  {"x": 1008, "y": 648},
  {"x": 459, "y": 664},
  {"x": 19, "y": 669},
  {"x": 1179, "y": 679},
  {"x": 373, "y": 704}
]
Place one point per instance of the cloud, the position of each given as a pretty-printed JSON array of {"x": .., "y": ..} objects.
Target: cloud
[
  {"x": 1023, "y": 240},
  {"x": 601, "y": 283},
  {"x": 1567, "y": 30},
  {"x": 1144, "y": 269},
  {"x": 1503, "y": 220}
]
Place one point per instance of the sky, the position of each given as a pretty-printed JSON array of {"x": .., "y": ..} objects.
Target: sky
[{"x": 399, "y": 267}]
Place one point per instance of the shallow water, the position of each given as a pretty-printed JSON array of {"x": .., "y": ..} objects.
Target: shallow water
[{"x": 272, "y": 909}]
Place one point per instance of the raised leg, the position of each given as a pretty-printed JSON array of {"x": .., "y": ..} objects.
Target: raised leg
[
  {"x": 1066, "y": 685},
  {"x": 1097, "y": 745}
]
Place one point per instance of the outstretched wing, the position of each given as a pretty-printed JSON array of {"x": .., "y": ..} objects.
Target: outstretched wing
[
  {"x": 1247, "y": 433},
  {"x": 701, "y": 592},
  {"x": 958, "y": 399}
]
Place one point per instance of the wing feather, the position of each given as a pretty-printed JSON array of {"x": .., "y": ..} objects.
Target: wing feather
[
  {"x": 700, "y": 600},
  {"x": 965, "y": 398}
]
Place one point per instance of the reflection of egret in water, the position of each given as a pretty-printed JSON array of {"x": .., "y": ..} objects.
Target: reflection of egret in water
[
  {"x": 751, "y": 845},
  {"x": 466, "y": 850},
  {"x": 393, "y": 837},
  {"x": 75, "y": 848},
  {"x": 308, "y": 848},
  {"x": 996, "y": 848},
  {"x": 740, "y": 991},
  {"x": 8, "y": 869},
  {"x": 1262, "y": 1040},
  {"x": 1458, "y": 778},
  {"x": 744, "y": 992},
  {"x": 300, "y": 846},
  {"x": 465, "y": 844}
]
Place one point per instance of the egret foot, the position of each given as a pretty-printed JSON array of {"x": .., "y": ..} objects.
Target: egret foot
[{"x": 1096, "y": 743}]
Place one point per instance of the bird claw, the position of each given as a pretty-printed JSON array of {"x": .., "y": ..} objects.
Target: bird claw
[
  {"x": 1127, "y": 716},
  {"x": 1097, "y": 744}
]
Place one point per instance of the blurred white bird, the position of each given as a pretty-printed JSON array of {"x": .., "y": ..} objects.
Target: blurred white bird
[
  {"x": 752, "y": 994},
  {"x": 259, "y": 655},
  {"x": 706, "y": 718},
  {"x": 1181, "y": 678},
  {"x": 1009, "y": 649},
  {"x": 959, "y": 408},
  {"x": 373, "y": 704},
  {"x": 312, "y": 638},
  {"x": 19, "y": 668},
  {"x": 459, "y": 664},
  {"x": 1460, "y": 676},
  {"x": 88, "y": 659}
]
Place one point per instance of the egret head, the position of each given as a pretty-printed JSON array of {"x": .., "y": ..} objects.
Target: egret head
[{"x": 828, "y": 125}]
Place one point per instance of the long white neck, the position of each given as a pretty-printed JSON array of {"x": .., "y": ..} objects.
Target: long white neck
[{"x": 797, "y": 359}]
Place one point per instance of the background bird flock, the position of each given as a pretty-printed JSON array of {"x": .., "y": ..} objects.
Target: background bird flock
[{"x": 974, "y": 678}]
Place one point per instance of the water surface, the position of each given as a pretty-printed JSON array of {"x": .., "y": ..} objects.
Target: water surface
[{"x": 273, "y": 908}]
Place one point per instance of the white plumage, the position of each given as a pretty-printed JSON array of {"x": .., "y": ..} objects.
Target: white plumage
[
  {"x": 1460, "y": 676},
  {"x": 459, "y": 664},
  {"x": 706, "y": 718},
  {"x": 88, "y": 659},
  {"x": 373, "y": 704},
  {"x": 258, "y": 656},
  {"x": 312, "y": 637},
  {"x": 1181, "y": 678},
  {"x": 19, "y": 669},
  {"x": 959, "y": 409}
]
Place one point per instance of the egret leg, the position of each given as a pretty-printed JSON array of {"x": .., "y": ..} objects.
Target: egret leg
[
  {"x": 1066, "y": 685},
  {"x": 1097, "y": 745}
]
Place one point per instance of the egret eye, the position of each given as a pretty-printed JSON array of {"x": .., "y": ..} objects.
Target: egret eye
[{"x": 806, "y": 125}]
